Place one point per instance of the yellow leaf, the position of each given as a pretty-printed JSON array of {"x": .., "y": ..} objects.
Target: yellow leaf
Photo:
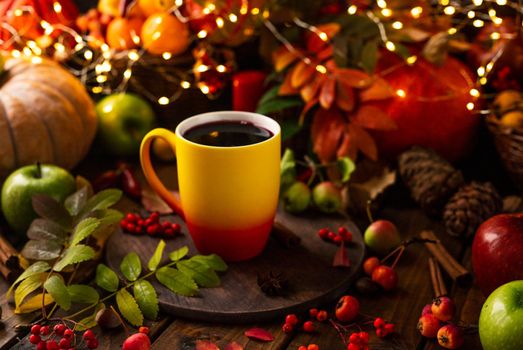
[{"x": 34, "y": 303}]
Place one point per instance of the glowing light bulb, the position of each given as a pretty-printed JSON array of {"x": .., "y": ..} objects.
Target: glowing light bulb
[
  {"x": 401, "y": 93},
  {"x": 452, "y": 31},
  {"x": 221, "y": 68},
  {"x": 323, "y": 36},
  {"x": 15, "y": 53},
  {"x": 495, "y": 36},
  {"x": 205, "y": 89},
  {"x": 390, "y": 46},
  {"x": 483, "y": 80},
  {"x": 449, "y": 10},
  {"x": 133, "y": 55},
  {"x": 101, "y": 79},
  {"x": 321, "y": 69},
  {"x": 88, "y": 55},
  {"x": 163, "y": 101},
  {"x": 167, "y": 56},
  {"x": 474, "y": 92},
  {"x": 478, "y": 2},
  {"x": 220, "y": 22},
  {"x": 202, "y": 68},
  {"x": 386, "y": 12},
  {"x": 481, "y": 71},
  {"x": 352, "y": 9},
  {"x": 57, "y": 7},
  {"x": 470, "y": 106},
  {"x": 444, "y": 2},
  {"x": 412, "y": 59},
  {"x": 397, "y": 25},
  {"x": 36, "y": 60},
  {"x": 185, "y": 84},
  {"x": 202, "y": 34},
  {"x": 478, "y": 23},
  {"x": 233, "y": 18},
  {"x": 416, "y": 11},
  {"x": 471, "y": 14},
  {"x": 255, "y": 11},
  {"x": 127, "y": 74},
  {"x": 97, "y": 89},
  {"x": 501, "y": 2},
  {"x": 382, "y": 3}
]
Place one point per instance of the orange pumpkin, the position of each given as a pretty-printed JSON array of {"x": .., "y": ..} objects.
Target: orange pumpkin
[{"x": 46, "y": 115}]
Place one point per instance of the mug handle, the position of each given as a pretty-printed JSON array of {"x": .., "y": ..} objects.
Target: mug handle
[{"x": 150, "y": 173}]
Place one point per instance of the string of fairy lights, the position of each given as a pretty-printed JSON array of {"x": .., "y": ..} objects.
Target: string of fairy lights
[{"x": 96, "y": 67}]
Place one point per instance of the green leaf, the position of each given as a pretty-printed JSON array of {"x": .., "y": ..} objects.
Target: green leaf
[
  {"x": 109, "y": 216},
  {"x": 83, "y": 294},
  {"x": 74, "y": 255},
  {"x": 213, "y": 261},
  {"x": 279, "y": 104},
  {"x": 28, "y": 285},
  {"x": 48, "y": 208},
  {"x": 41, "y": 250},
  {"x": 157, "y": 256},
  {"x": 56, "y": 288},
  {"x": 202, "y": 274},
  {"x": 75, "y": 202},
  {"x": 131, "y": 266},
  {"x": 179, "y": 254},
  {"x": 102, "y": 200},
  {"x": 270, "y": 94},
  {"x": 44, "y": 230},
  {"x": 129, "y": 308},
  {"x": 106, "y": 278},
  {"x": 83, "y": 230},
  {"x": 402, "y": 50},
  {"x": 289, "y": 128},
  {"x": 287, "y": 169},
  {"x": 176, "y": 281},
  {"x": 369, "y": 56},
  {"x": 89, "y": 321},
  {"x": 34, "y": 269},
  {"x": 146, "y": 298},
  {"x": 346, "y": 167}
]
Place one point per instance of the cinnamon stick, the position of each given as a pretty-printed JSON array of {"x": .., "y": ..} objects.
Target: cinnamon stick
[
  {"x": 10, "y": 266},
  {"x": 437, "y": 279},
  {"x": 284, "y": 235},
  {"x": 455, "y": 270}
]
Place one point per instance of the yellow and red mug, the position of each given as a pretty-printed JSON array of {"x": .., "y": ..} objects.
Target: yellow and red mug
[{"x": 228, "y": 196}]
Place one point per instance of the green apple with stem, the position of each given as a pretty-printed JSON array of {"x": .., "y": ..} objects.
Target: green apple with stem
[
  {"x": 124, "y": 119},
  {"x": 381, "y": 236},
  {"x": 20, "y": 187},
  {"x": 501, "y": 318}
]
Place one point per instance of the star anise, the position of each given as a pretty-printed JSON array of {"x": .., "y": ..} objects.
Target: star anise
[{"x": 273, "y": 283}]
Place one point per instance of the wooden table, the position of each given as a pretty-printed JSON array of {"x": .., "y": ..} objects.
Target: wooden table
[{"x": 401, "y": 307}]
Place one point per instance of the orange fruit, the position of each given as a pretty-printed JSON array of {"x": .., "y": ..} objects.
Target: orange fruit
[
  {"x": 150, "y": 7},
  {"x": 121, "y": 31},
  {"x": 163, "y": 32}
]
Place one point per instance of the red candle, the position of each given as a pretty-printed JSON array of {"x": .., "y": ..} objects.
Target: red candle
[{"x": 247, "y": 89}]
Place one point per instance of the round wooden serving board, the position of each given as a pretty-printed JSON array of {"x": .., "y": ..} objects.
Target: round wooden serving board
[{"x": 308, "y": 267}]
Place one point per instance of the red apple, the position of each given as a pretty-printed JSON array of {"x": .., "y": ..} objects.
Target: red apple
[{"x": 496, "y": 251}]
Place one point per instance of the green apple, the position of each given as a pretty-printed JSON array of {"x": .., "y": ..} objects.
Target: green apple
[
  {"x": 22, "y": 184},
  {"x": 382, "y": 236},
  {"x": 297, "y": 197},
  {"x": 501, "y": 318},
  {"x": 124, "y": 119},
  {"x": 327, "y": 197}
]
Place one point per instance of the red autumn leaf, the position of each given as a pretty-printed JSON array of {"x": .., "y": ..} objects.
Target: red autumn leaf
[
  {"x": 347, "y": 148},
  {"x": 306, "y": 109},
  {"x": 341, "y": 259},
  {"x": 326, "y": 132},
  {"x": 315, "y": 43},
  {"x": 233, "y": 346},
  {"x": 310, "y": 90},
  {"x": 363, "y": 141},
  {"x": 345, "y": 99},
  {"x": 259, "y": 334},
  {"x": 352, "y": 77},
  {"x": 286, "y": 87},
  {"x": 371, "y": 117},
  {"x": 325, "y": 53},
  {"x": 205, "y": 345},
  {"x": 301, "y": 74},
  {"x": 379, "y": 90},
  {"x": 152, "y": 202},
  {"x": 328, "y": 93},
  {"x": 282, "y": 58}
]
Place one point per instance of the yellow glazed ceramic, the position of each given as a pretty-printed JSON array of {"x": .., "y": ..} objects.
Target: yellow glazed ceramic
[{"x": 227, "y": 195}]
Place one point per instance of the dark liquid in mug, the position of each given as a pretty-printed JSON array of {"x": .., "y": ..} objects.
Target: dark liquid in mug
[{"x": 227, "y": 134}]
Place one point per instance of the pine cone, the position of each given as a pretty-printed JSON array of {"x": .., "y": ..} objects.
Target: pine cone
[
  {"x": 431, "y": 179},
  {"x": 469, "y": 207}
]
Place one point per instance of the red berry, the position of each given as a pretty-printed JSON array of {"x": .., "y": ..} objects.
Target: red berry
[
  {"x": 144, "y": 330},
  {"x": 130, "y": 228},
  {"x": 153, "y": 229},
  {"x": 302, "y": 347},
  {"x": 389, "y": 328},
  {"x": 370, "y": 264},
  {"x": 353, "y": 346},
  {"x": 338, "y": 240},
  {"x": 381, "y": 333},
  {"x": 347, "y": 236},
  {"x": 123, "y": 224},
  {"x": 385, "y": 277},
  {"x": 450, "y": 336},
  {"x": 138, "y": 230},
  {"x": 347, "y": 308},
  {"x": 166, "y": 225},
  {"x": 138, "y": 341},
  {"x": 64, "y": 343},
  {"x": 354, "y": 338},
  {"x": 169, "y": 232},
  {"x": 68, "y": 334},
  {"x": 322, "y": 315},
  {"x": 331, "y": 235},
  {"x": 428, "y": 326},
  {"x": 443, "y": 308},
  {"x": 379, "y": 322},
  {"x": 313, "y": 347},
  {"x": 140, "y": 222},
  {"x": 323, "y": 233},
  {"x": 88, "y": 334},
  {"x": 427, "y": 309},
  {"x": 44, "y": 330},
  {"x": 176, "y": 228},
  {"x": 41, "y": 346},
  {"x": 93, "y": 343},
  {"x": 59, "y": 329},
  {"x": 308, "y": 327},
  {"x": 342, "y": 231},
  {"x": 34, "y": 339},
  {"x": 36, "y": 329},
  {"x": 291, "y": 319},
  {"x": 287, "y": 328},
  {"x": 148, "y": 222},
  {"x": 364, "y": 337},
  {"x": 154, "y": 217},
  {"x": 52, "y": 345},
  {"x": 313, "y": 313},
  {"x": 131, "y": 217}
]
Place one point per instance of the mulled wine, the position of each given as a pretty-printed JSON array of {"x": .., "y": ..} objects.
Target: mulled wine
[{"x": 227, "y": 134}]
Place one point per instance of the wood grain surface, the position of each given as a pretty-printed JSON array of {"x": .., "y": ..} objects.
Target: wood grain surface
[{"x": 308, "y": 268}]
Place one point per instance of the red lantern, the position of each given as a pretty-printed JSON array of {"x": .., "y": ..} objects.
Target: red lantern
[{"x": 432, "y": 107}]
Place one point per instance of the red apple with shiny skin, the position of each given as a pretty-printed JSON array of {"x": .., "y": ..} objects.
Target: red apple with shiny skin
[{"x": 497, "y": 251}]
